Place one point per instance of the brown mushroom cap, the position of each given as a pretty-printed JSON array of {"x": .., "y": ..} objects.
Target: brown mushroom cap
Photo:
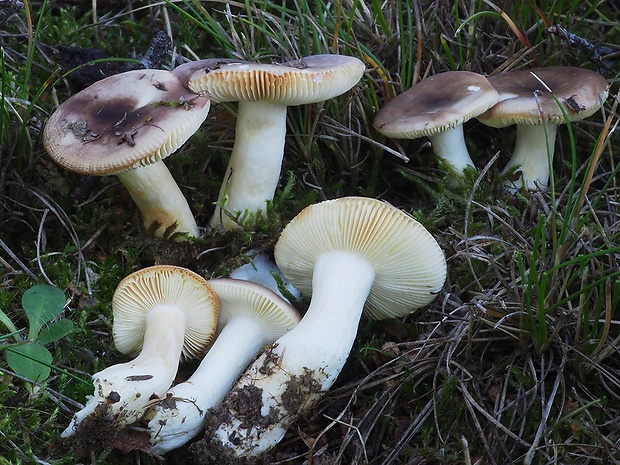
[
  {"x": 437, "y": 103},
  {"x": 124, "y": 121},
  {"x": 308, "y": 80},
  {"x": 579, "y": 91},
  {"x": 145, "y": 289}
]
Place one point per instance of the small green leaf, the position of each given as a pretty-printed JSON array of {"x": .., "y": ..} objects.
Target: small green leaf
[
  {"x": 54, "y": 331},
  {"x": 32, "y": 361},
  {"x": 42, "y": 303}
]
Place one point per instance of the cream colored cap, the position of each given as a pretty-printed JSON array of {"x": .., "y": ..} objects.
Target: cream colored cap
[
  {"x": 122, "y": 122},
  {"x": 436, "y": 104},
  {"x": 145, "y": 289},
  {"x": 579, "y": 91},
  {"x": 308, "y": 80},
  {"x": 244, "y": 298},
  {"x": 410, "y": 266}
]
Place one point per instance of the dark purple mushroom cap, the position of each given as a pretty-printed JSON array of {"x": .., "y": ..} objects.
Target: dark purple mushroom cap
[{"x": 124, "y": 121}]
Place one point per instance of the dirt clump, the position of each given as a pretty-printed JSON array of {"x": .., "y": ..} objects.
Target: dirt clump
[
  {"x": 96, "y": 433},
  {"x": 300, "y": 390}
]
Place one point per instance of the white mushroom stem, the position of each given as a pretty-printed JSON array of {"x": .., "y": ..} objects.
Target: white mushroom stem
[
  {"x": 181, "y": 415},
  {"x": 449, "y": 145},
  {"x": 305, "y": 361},
  {"x": 532, "y": 155},
  {"x": 124, "y": 391},
  {"x": 159, "y": 198},
  {"x": 255, "y": 163}
]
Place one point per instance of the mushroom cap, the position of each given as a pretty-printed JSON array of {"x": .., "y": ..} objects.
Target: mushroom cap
[
  {"x": 122, "y": 122},
  {"x": 308, "y": 80},
  {"x": 436, "y": 104},
  {"x": 409, "y": 264},
  {"x": 145, "y": 289},
  {"x": 580, "y": 93},
  {"x": 238, "y": 297}
]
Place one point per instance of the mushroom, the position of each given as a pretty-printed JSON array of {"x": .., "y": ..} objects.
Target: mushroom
[
  {"x": 437, "y": 107},
  {"x": 251, "y": 317},
  {"x": 264, "y": 91},
  {"x": 162, "y": 313},
  {"x": 528, "y": 101},
  {"x": 126, "y": 125},
  {"x": 352, "y": 254}
]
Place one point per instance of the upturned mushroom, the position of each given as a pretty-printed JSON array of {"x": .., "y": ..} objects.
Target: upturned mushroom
[
  {"x": 352, "y": 254},
  {"x": 125, "y": 125},
  {"x": 528, "y": 101},
  {"x": 437, "y": 107},
  {"x": 264, "y": 91},
  {"x": 251, "y": 317},
  {"x": 162, "y": 313}
]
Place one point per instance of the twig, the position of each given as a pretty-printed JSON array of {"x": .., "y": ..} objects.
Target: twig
[
  {"x": 542, "y": 426},
  {"x": 40, "y": 241},
  {"x": 595, "y": 53},
  {"x": 17, "y": 260}
]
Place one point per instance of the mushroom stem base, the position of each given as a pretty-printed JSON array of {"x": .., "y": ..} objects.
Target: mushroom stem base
[
  {"x": 289, "y": 377},
  {"x": 533, "y": 154},
  {"x": 123, "y": 391},
  {"x": 181, "y": 415}
]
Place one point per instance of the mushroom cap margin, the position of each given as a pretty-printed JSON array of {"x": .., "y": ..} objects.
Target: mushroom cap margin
[
  {"x": 524, "y": 97},
  {"x": 309, "y": 80}
]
